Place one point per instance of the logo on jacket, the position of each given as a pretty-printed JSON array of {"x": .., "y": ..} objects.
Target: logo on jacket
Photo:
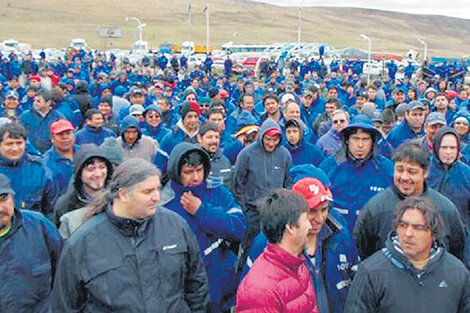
[
  {"x": 376, "y": 188},
  {"x": 443, "y": 284},
  {"x": 169, "y": 247}
]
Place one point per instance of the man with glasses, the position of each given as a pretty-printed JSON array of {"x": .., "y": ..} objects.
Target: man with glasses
[
  {"x": 154, "y": 123},
  {"x": 413, "y": 272},
  {"x": 330, "y": 143}
]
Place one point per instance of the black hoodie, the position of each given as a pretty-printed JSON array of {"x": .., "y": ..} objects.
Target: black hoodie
[{"x": 74, "y": 198}]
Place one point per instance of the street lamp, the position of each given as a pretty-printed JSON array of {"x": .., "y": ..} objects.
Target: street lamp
[
  {"x": 365, "y": 37},
  {"x": 140, "y": 25},
  {"x": 425, "y": 48},
  {"x": 299, "y": 29}
]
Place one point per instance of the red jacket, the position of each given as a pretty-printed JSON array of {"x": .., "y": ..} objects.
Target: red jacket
[{"x": 277, "y": 282}]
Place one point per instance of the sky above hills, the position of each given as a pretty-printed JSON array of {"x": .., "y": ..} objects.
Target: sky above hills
[{"x": 454, "y": 8}]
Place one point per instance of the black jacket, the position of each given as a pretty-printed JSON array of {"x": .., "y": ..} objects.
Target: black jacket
[
  {"x": 111, "y": 264},
  {"x": 388, "y": 283},
  {"x": 74, "y": 198},
  {"x": 375, "y": 222}
]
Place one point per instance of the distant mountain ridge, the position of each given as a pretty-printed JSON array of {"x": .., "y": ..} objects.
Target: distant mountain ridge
[{"x": 53, "y": 23}]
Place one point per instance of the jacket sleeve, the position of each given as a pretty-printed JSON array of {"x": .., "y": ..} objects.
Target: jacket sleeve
[
  {"x": 464, "y": 305},
  {"x": 196, "y": 286},
  {"x": 68, "y": 294},
  {"x": 361, "y": 298},
  {"x": 365, "y": 234},
  {"x": 457, "y": 235},
  {"x": 54, "y": 244},
  {"x": 49, "y": 195},
  {"x": 240, "y": 175},
  {"x": 224, "y": 219}
]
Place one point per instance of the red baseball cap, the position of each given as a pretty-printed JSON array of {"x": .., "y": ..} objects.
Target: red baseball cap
[
  {"x": 35, "y": 77},
  {"x": 313, "y": 191},
  {"x": 273, "y": 132},
  {"x": 61, "y": 126}
]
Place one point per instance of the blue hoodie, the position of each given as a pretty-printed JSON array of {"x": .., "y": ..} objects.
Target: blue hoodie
[
  {"x": 160, "y": 130},
  {"x": 354, "y": 182},
  {"x": 217, "y": 223},
  {"x": 258, "y": 171},
  {"x": 453, "y": 181}
]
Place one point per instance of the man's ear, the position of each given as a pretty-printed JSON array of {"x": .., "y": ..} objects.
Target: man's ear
[
  {"x": 289, "y": 229},
  {"x": 199, "y": 138},
  {"x": 123, "y": 195},
  {"x": 426, "y": 175}
]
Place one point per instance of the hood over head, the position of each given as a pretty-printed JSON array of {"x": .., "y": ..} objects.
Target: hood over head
[
  {"x": 177, "y": 155},
  {"x": 128, "y": 122},
  {"x": 438, "y": 138},
  {"x": 85, "y": 153},
  {"x": 268, "y": 125}
]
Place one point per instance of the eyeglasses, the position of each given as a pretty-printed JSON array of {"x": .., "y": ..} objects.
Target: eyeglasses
[{"x": 339, "y": 121}]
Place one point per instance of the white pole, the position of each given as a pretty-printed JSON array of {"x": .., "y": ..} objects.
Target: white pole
[
  {"x": 299, "y": 27},
  {"x": 369, "y": 57},
  {"x": 207, "y": 28},
  {"x": 425, "y": 48},
  {"x": 365, "y": 37}
]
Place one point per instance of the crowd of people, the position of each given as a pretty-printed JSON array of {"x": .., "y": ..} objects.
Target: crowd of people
[{"x": 159, "y": 187}]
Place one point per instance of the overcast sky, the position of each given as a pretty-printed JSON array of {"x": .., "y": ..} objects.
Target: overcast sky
[{"x": 455, "y": 8}]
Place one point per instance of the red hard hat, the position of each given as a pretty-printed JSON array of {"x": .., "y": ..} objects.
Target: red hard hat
[{"x": 313, "y": 191}]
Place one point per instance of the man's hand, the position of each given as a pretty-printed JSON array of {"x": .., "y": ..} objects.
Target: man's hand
[{"x": 190, "y": 202}]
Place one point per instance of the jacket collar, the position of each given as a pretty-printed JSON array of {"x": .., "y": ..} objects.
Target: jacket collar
[
  {"x": 279, "y": 256},
  {"x": 128, "y": 227}
]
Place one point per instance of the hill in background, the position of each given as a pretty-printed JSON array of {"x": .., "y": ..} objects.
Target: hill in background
[{"x": 53, "y": 23}]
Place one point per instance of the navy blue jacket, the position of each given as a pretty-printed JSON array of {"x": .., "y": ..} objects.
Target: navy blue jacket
[
  {"x": 38, "y": 127},
  {"x": 60, "y": 168},
  {"x": 218, "y": 222},
  {"x": 354, "y": 183},
  {"x": 156, "y": 133},
  {"x": 32, "y": 182},
  {"x": 305, "y": 153},
  {"x": 28, "y": 257},
  {"x": 401, "y": 133},
  {"x": 93, "y": 135}
]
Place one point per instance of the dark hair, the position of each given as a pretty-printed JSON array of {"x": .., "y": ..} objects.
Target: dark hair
[
  {"x": 412, "y": 152},
  {"x": 89, "y": 113},
  {"x": 14, "y": 130},
  {"x": 45, "y": 94},
  {"x": 432, "y": 217},
  {"x": 247, "y": 94},
  {"x": 213, "y": 110},
  {"x": 441, "y": 94},
  {"x": 270, "y": 96},
  {"x": 281, "y": 207},
  {"x": 207, "y": 126},
  {"x": 130, "y": 173}
]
